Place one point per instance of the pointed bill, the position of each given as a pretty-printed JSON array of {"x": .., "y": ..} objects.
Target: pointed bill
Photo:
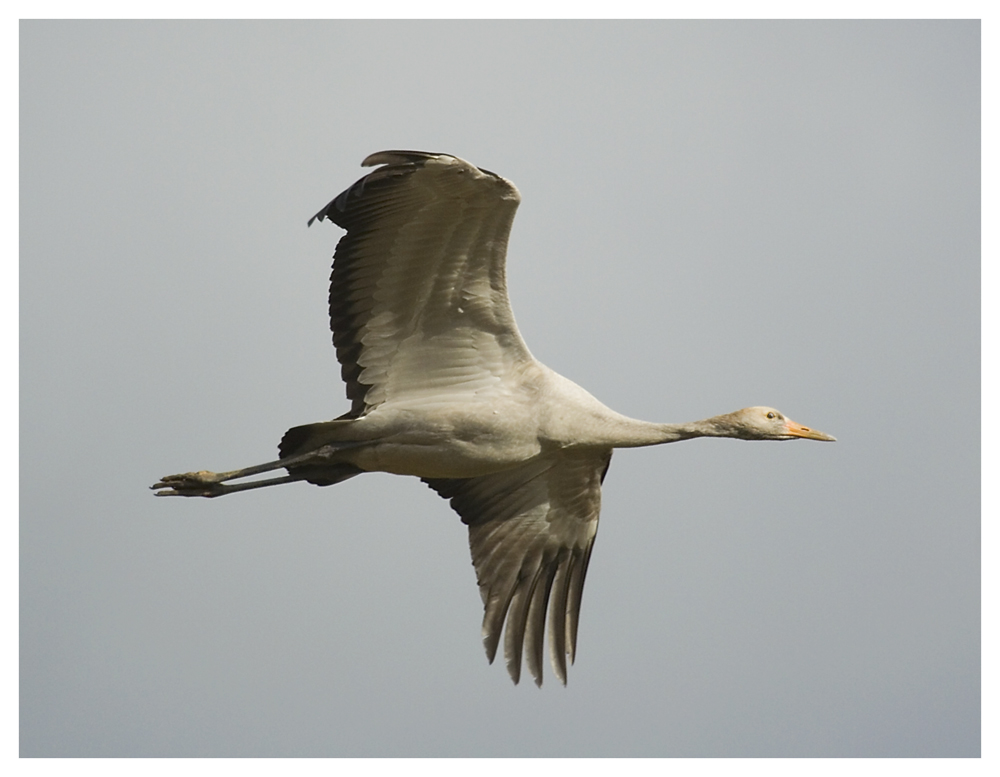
[{"x": 798, "y": 430}]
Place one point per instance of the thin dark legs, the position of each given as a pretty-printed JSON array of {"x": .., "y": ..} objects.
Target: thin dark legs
[{"x": 212, "y": 484}]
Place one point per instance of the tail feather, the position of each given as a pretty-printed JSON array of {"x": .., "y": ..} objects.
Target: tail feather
[
  {"x": 302, "y": 439},
  {"x": 294, "y": 441}
]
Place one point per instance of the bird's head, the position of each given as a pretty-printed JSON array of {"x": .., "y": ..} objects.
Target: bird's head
[{"x": 766, "y": 423}]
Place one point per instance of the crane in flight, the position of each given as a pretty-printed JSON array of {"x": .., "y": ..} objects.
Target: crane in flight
[{"x": 443, "y": 387}]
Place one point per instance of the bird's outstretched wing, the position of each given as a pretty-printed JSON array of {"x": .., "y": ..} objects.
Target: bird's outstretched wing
[
  {"x": 418, "y": 294},
  {"x": 531, "y": 531}
]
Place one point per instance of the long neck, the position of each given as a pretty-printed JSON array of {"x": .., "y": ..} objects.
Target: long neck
[
  {"x": 632, "y": 433},
  {"x": 574, "y": 416}
]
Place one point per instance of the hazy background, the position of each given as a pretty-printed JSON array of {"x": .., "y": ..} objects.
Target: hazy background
[{"x": 714, "y": 215}]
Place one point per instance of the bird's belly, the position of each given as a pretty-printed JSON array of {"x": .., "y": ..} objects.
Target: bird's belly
[
  {"x": 447, "y": 448},
  {"x": 434, "y": 462},
  {"x": 452, "y": 460}
]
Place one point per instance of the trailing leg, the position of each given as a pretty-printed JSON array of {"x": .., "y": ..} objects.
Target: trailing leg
[{"x": 317, "y": 466}]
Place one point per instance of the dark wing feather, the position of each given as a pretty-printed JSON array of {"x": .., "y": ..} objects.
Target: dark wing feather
[
  {"x": 531, "y": 532},
  {"x": 418, "y": 294}
]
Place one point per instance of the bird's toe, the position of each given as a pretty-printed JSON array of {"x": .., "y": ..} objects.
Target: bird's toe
[{"x": 202, "y": 483}]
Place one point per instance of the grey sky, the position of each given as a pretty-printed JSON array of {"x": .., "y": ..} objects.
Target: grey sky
[{"x": 714, "y": 215}]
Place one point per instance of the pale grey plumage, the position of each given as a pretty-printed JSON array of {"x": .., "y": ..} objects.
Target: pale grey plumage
[{"x": 443, "y": 387}]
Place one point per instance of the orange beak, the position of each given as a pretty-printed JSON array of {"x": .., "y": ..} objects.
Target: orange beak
[{"x": 798, "y": 430}]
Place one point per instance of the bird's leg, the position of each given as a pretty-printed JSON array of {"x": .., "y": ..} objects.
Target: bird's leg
[{"x": 211, "y": 484}]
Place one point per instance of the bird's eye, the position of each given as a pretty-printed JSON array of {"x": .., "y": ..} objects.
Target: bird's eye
[{"x": 770, "y": 415}]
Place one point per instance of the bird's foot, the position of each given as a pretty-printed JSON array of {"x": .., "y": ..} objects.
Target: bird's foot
[{"x": 201, "y": 483}]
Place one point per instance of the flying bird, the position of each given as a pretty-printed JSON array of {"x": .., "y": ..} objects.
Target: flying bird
[{"x": 443, "y": 387}]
